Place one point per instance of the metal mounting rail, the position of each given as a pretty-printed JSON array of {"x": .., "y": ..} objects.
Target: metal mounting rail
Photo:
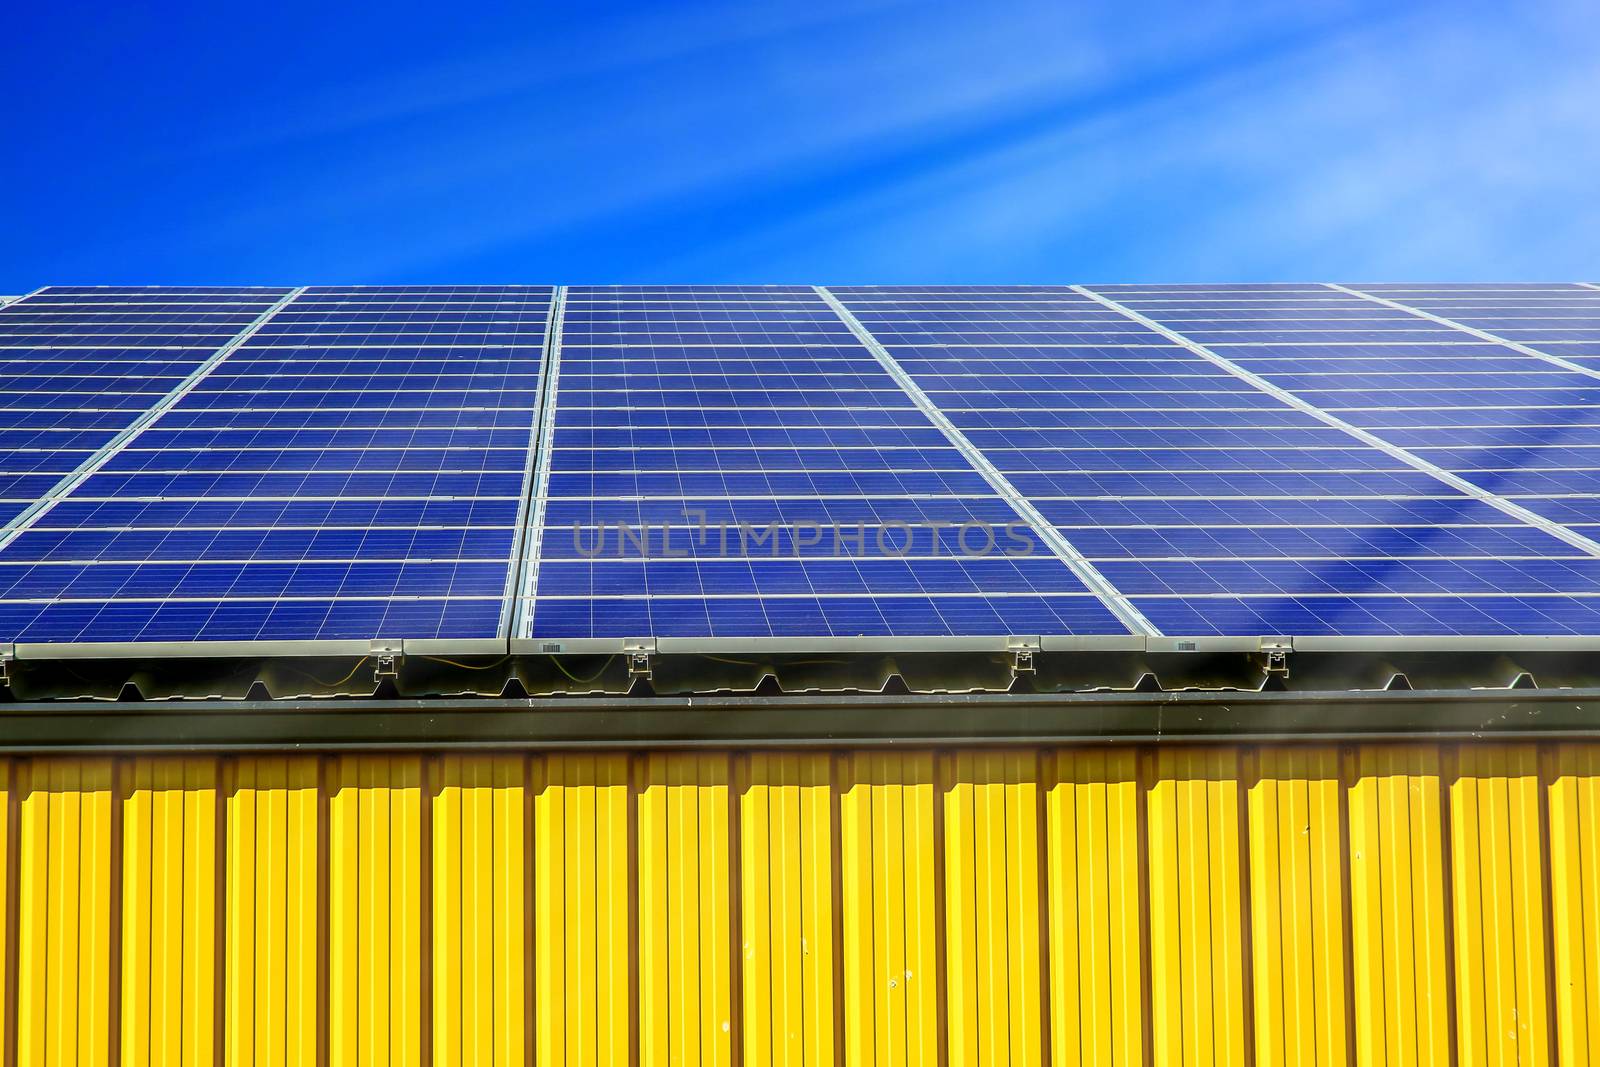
[
  {"x": 526, "y": 574},
  {"x": 534, "y": 479},
  {"x": 1455, "y": 481},
  {"x": 1482, "y": 335},
  {"x": 39, "y": 508},
  {"x": 1114, "y": 599}
]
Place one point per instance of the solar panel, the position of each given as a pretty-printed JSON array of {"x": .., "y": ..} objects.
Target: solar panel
[
  {"x": 734, "y": 463},
  {"x": 353, "y": 467},
  {"x": 913, "y": 467}
]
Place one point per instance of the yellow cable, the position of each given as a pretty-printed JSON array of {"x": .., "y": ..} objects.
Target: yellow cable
[{"x": 603, "y": 668}]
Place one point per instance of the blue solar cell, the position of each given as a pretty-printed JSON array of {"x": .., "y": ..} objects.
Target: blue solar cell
[
  {"x": 1311, "y": 577},
  {"x": 266, "y": 580},
  {"x": 200, "y": 544},
  {"x": 377, "y": 485},
  {"x": 562, "y": 513},
  {"x": 767, "y": 459},
  {"x": 811, "y": 575},
  {"x": 1376, "y": 616},
  {"x": 1317, "y": 543},
  {"x": 1233, "y": 483},
  {"x": 1247, "y": 511},
  {"x": 317, "y": 459},
  {"x": 249, "y": 620},
  {"x": 801, "y": 616}
]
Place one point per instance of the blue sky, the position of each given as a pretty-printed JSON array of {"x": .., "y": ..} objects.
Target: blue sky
[{"x": 818, "y": 142}]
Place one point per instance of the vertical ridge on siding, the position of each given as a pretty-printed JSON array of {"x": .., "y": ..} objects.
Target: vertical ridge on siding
[
  {"x": 886, "y": 817},
  {"x": 270, "y": 1014},
  {"x": 477, "y": 942},
  {"x": 1575, "y": 901},
  {"x": 685, "y": 918},
  {"x": 10, "y": 825},
  {"x": 1097, "y": 974},
  {"x": 1499, "y": 907},
  {"x": 990, "y": 803},
  {"x": 583, "y": 928},
  {"x": 1196, "y": 918},
  {"x": 1297, "y": 907},
  {"x": 169, "y": 920},
  {"x": 374, "y": 910},
  {"x": 787, "y": 909},
  {"x": 1397, "y": 905}
]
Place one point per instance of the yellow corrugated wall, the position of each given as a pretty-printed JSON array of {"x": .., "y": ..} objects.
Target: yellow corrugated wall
[{"x": 1316, "y": 904}]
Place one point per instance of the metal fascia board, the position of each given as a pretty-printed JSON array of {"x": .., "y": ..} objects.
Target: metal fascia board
[
  {"x": 1517, "y": 511},
  {"x": 801, "y": 721},
  {"x": 1113, "y": 598}
]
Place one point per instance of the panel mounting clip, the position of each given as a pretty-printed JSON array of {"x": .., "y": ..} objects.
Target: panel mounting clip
[
  {"x": 8, "y": 652},
  {"x": 1021, "y": 651},
  {"x": 638, "y": 650},
  {"x": 386, "y": 657},
  {"x": 1275, "y": 653}
]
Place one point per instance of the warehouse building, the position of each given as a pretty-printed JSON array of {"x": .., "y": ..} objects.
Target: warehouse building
[{"x": 1121, "y": 674}]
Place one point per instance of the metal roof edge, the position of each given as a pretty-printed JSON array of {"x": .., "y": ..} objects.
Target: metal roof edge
[{"x": 805, "y": 721}]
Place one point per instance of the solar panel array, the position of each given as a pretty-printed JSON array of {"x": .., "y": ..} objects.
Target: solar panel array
[{"x": 579, "y": 467}]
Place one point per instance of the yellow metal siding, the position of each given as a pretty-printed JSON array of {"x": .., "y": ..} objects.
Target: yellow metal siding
[
  {"x": 1196, "y": 939},
  {"x": 685, "y": 930},
  {"x": 169, "y": 911},
  {"x": 887, "y": 840},
  {"x": 787, "y": 909},
  {"x": 582, "y": 921},
  {"x": 991, "y": 897},
  {"x": 271, "y": 949},
  {"x": 1376, "y": 904},
  {"x": 8, "y": 802},
  {"x": 375, "y": 911},
  {"x": 1096, "y": 962},
  {"x": 63, "y": 987},
  {"x": 1501, "y": 993},
  {"x": 1575, "y": 896},
  {"x": 1397, "y": 907},
  {"x": 1297, "y": 890},
  {"x": 478, "y": 907}
]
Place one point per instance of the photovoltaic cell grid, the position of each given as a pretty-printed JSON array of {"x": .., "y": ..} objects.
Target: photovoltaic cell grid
[
  {"x": 733, "y": 461},
  {"x": 355, "y": 469},
  {"x": 81, "y": 365},
  {"x": 1520, "y": 427},
  {"x": 1217, "y": 507},
  {"x": 359, "y": 466}
]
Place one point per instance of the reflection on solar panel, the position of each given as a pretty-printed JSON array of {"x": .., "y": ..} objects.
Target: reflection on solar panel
[{"x": 917, "y": 467}]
